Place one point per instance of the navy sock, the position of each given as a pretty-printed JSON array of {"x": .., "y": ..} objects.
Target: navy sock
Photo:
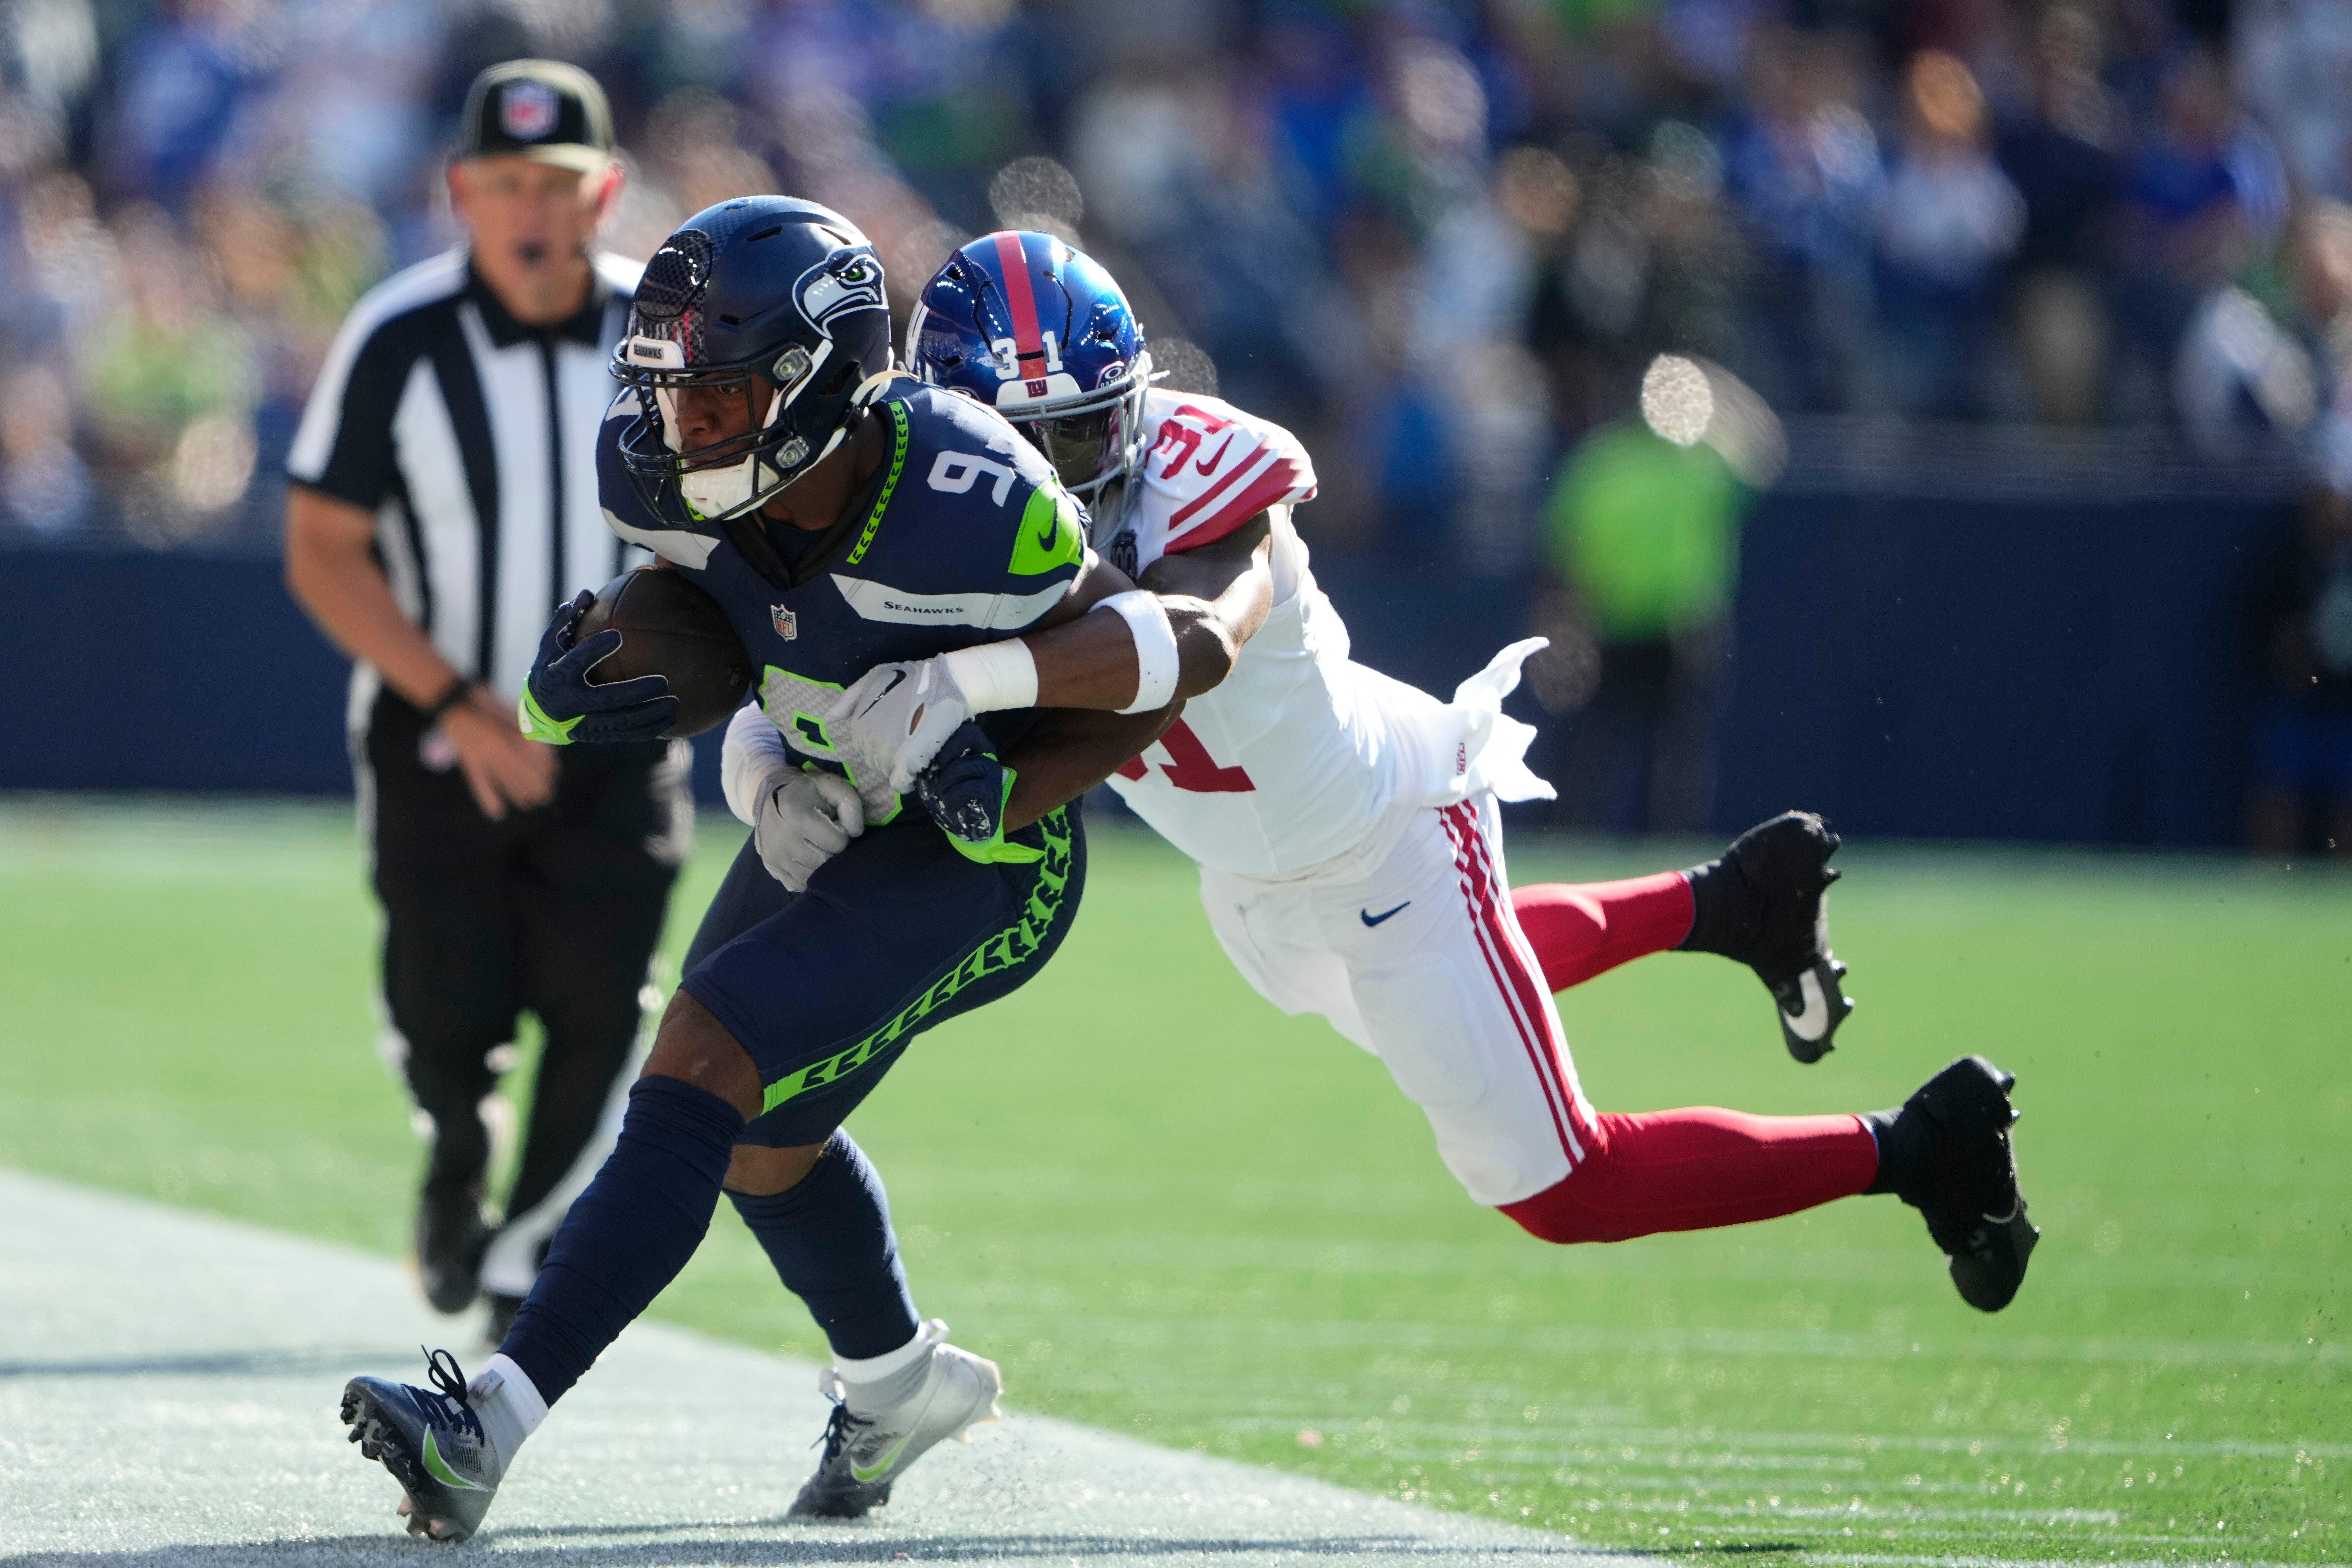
[
  {"x": 629, "y": 1233},
  {"x": 830, "y": 1240}
]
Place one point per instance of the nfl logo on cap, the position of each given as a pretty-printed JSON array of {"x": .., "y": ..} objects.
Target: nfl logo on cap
[{"x": 526, "y": 110}]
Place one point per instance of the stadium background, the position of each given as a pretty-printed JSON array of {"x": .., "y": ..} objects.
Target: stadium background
[{"x": 2013, "y": 340}]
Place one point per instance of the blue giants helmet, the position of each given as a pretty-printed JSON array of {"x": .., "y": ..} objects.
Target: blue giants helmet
[
  {"x": 1040, "y": 333},
  {"x": 775, "y": 302}
]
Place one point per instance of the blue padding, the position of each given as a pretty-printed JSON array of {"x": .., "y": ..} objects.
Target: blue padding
[
  {"x": 1922, "y": 667},
  {"x": 151, "y": 671}
]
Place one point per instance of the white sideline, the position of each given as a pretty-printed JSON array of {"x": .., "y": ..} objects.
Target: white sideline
[{"x": 169, "y": 1380}]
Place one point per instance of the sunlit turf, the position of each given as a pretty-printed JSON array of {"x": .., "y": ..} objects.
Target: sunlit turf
[{"x": 1165, "y": 1208}]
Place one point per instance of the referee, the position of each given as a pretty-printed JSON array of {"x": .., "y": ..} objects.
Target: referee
[{"x": 444, "y": 501}]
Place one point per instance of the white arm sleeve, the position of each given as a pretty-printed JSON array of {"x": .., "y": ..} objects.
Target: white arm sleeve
[{"x": 753, "y": 752}]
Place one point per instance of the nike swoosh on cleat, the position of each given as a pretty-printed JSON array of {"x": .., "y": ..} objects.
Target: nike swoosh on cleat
[
  {"x": 1813, "y": 1022},
  {"x": 863, "y": 1476},
  {"x": 439, "y": 1467},
  {"x": 1370, "y": 918}
]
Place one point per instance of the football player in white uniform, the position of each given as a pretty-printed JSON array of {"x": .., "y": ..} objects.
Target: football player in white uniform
[{"x": 1346, "y": 824}]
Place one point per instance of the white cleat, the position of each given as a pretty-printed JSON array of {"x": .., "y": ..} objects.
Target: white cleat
[{"x": 865, "y": 1453}]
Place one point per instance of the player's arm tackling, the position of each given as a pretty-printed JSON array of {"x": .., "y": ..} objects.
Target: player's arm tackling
[
  {"x": 1215, "y": 599},
  {"x": 1172, "y": 639}
]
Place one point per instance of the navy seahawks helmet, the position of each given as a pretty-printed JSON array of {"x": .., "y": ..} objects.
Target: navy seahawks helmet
[
  {"x": 776, "y": 300},
  {"x": 1040, "y": 333}
]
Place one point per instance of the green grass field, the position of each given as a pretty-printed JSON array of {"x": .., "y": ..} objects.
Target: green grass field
[{"x": 1165, "y": 1208}]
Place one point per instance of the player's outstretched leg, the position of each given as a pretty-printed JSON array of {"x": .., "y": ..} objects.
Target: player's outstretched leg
[
  {"x": 1764, "y": 903},
  {"x": 447, "y": 1446},
  {"x": 896, "y": 1388},
  {"x": 1579, "y": 929},
  {"x": 1946, "y": 1152},
  {"x": 887, "y": 1412},
  {"x": 625, "y": 1238}
]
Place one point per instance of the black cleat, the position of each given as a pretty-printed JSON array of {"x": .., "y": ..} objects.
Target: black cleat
[
  {"x": 1766, "y": 904},
  {"x": 432, "y": 1442},
  {"x": 451, "y": 1236},
  {"x": 1946, "y": 1152}
]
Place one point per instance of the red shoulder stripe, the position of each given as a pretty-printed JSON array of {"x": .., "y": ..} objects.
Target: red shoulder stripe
[
  {"x": 1278, "y": 479},
  {"x": 1177, "y": 523}
]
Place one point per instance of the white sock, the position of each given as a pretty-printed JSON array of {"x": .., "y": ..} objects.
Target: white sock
[
  {"x": 876, "y": 1382},
  {"x": 503, "y": 1395}
]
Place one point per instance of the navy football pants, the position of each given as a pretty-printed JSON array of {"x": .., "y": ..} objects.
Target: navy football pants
[{"x": 895, "y": 935}]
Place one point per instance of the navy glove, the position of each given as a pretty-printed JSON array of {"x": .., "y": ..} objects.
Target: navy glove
[
  {"x": 965, "y": 789},
  {"x": 560, "y": 705}
]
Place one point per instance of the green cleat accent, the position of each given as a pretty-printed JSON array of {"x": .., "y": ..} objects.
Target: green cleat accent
[
  {"x": 432, "y": 1442},
  {"x": 864, "y": 1455}
]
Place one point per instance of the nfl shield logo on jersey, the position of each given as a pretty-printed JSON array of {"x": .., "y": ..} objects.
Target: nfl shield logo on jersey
[
  {"x": 788, "y": 625},
  {"x": 527, "y": 111}
]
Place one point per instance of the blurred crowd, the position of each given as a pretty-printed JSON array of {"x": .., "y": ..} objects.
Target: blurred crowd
[{"x": 1446, "y": 240}]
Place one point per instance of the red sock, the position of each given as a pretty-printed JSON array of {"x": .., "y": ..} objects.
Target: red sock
[
  {"x": 1579, "y": 929},
  {"x": 1696, "y": 1169}
]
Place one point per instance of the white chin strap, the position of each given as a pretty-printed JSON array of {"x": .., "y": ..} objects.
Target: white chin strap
[
  {"x": 712, "y": 491},
  {"x": 717, "y": 491}
]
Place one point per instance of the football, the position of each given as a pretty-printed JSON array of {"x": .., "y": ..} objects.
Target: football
[{"x": 669, "y": 627}]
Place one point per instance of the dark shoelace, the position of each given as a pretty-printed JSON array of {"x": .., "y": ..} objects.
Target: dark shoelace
[
  {"x": 838, "y": 1431},
  {"x": 450, "y": 1409}
]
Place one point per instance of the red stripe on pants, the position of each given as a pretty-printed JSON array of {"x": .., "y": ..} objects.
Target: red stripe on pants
[
  {"x": 1515, "y": 989},
  {"x": 1579, "y": 929},
  {"x": 1697, "y": 1169}
]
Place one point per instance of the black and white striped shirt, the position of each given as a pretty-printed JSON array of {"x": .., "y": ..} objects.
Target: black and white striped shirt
[{"x": 471, "y": 436}]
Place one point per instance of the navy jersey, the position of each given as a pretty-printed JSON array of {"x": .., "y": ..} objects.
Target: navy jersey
[{"x": 966, "y": 536}]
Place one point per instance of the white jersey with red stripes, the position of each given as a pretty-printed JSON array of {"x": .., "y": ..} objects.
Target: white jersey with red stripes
[{"x": 1300, "y": 755}]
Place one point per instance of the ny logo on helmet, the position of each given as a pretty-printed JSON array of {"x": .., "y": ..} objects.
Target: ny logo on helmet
[{"x": 844, "y": 281}]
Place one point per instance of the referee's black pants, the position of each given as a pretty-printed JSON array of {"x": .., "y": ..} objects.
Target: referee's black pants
[{"x": 555, "y": 910}]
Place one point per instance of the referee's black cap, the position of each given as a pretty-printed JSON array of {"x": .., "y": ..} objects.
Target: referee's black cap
[{"x": 545, "y": 111}]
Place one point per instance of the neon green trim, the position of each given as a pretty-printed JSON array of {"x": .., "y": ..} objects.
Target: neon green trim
[
  {"x": 862, "y": 1475},
  {"x": 539, "y": 726},
  {"x": 994, "y": 850},
  {"x": 439, "y": 1467},
  {"x": 882, "y": 502},
  {"x": 1012, "y": 946},
  {"x": 1051, "y": 534},
  {"x": 811, "y": 727}
]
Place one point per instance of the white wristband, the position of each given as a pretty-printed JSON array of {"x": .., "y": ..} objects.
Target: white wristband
[
  {"x": 994, "y": 675},
  {"x": 1155, "y": 648}
]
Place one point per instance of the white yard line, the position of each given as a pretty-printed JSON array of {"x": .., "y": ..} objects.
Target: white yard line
[{"x": 169, "y": 1380}]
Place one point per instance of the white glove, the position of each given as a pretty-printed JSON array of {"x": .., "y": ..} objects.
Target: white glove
[
  {"x": 804, "y": 820},
  {"x": 894, "y": 718}
]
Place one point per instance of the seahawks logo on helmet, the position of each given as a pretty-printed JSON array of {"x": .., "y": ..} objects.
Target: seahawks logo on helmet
[{"x": 844, "y": 281}]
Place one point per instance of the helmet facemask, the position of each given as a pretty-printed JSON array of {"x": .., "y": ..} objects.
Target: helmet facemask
[
  {"x": 744, "y": 469},
  {"x": 720, "y": 427},
  {"x": 1036, "y": 331},
  {"x": 1096, "y": 443}
]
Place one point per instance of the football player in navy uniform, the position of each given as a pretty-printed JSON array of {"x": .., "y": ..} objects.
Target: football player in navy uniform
[{"x": 843, "y": 516}]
